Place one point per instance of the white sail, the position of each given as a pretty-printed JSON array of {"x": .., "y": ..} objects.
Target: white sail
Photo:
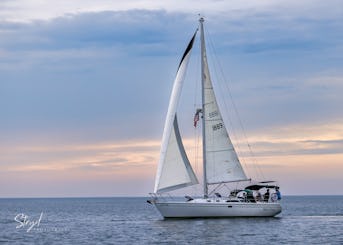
[
  {"x": 222, "y": 163},
  {"x": 174, "y": 170}
]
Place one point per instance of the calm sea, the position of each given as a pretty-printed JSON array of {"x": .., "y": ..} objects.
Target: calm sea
[{"x": 304, "y": 220}]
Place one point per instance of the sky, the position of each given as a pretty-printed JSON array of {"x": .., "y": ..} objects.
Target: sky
[{"x": 85, "y": 86}]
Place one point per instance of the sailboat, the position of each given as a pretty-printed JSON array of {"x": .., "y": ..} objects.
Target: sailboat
[{"x": 220, "y": 161}]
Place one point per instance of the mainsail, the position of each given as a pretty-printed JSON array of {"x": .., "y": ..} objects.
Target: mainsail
[
  {"x": 221, "y": 161},
  {"x": 174, "y": 170}
]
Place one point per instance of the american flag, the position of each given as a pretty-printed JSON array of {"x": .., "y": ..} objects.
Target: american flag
[{"x": 196, "y": 117}]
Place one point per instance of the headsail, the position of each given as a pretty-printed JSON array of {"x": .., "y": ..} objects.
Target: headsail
[
  {"x": 174, "y": 170},
  {"x": 222, "y": 163}
]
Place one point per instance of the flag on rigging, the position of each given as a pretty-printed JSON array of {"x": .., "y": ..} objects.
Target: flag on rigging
[{"x": 196, "y": 117}]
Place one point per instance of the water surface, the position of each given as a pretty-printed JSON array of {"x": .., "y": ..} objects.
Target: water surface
[{"x": 304, "y": 220}]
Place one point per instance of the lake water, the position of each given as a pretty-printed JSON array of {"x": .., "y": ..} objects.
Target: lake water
[{"x": 304, "y": 220}]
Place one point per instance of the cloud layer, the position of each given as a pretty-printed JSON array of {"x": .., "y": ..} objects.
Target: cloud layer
[{"x": 277, "y": 154}]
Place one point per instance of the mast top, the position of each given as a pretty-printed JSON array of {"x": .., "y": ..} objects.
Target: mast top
[{"x": 201, "y": 20}]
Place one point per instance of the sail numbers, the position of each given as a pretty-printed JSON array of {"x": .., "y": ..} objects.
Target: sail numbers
[
  {"x": 213, "y": 114},
  {"x": 217, "y": 126}
]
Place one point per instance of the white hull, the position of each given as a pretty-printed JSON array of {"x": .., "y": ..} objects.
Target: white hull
[{"x": 217, "y": 209}]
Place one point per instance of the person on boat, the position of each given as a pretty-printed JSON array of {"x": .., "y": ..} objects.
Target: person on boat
[
  {"x": 266, "y": 196},
  {"x": 241, "y": 195},
  {"x": 250, "y": 196},
  {"x": 278, "y": 193},
  {"x": 258, "y": 196}
]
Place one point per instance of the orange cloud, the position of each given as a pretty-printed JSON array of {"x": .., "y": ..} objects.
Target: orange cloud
[{"x": 291, "y": 154}]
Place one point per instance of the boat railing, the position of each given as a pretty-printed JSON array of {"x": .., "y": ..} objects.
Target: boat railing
[{"x": 249, "y": 199}]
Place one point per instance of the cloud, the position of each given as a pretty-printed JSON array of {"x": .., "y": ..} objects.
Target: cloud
[
  {"x": 276, "y": 152},
  {"x": 92, "y": 30},
  {"x": 86, "y": 68},
  {"x": 308, "y": 147},
  {"x": 77, "y": 70},
  {"x": 63, "y": 157},
  {"x": 296, "y": 140},
  {"x": 32, "y": 9}
]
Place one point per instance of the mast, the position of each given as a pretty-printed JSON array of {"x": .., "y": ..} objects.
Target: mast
[{"x": 203, "y": 55}]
